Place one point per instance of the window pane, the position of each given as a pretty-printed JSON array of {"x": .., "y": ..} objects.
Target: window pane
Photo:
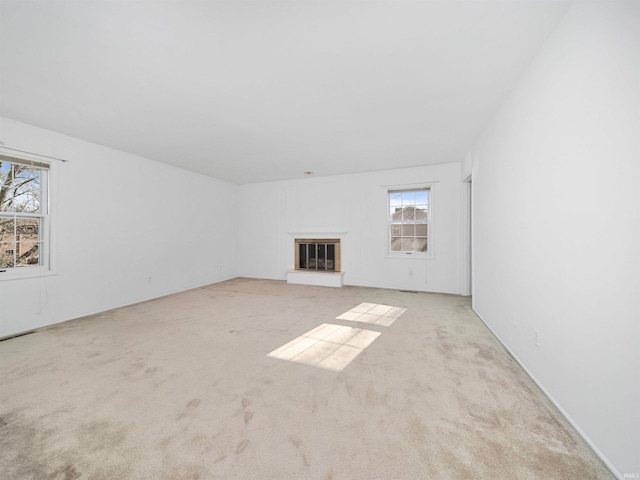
[
  {"x": 27, "y": 229},
  {"x": 408, "y": 230},
  {"x": 20, "y": 188},
  {"x": 25, "y": 244},
  {"x": 27, "y": 253},
  {"x": 26, "y": 190},
  {"x": 421, "y": 197},
  {"x": 421, "y": 245},
  {"x": 396, "y": 244},
  {"x": 6, "y": 255},
  {"x": 421, "y": 213},
  {"x": 395, "y": 214},
  {"x": 395, "y": 199},
  {"x": 6, "y": 229},
  {"x": 421, "y": 230},
  {"x": 408, "y": 198},
  {"x": 6, "y": 178},
  {"x": 408, "y": 244}
]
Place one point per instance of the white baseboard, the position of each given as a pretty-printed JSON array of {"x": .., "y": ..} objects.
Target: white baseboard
[{"x": 584, "y": 436}]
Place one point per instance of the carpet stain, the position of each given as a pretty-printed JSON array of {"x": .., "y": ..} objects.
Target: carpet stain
[
  {"x": 68, "y": 472},
  {"x": 375, "y": 398},
  {"x": 490, "y": 420},
  {"x": 247, "y": 417},
  {"x": 97, "y": 435},
  {"x": 447, "y": 350},
  {"x": 165, "y": 442},
  {"x": 296, "y": 442},
  {"x": 242, "y": 446},
  {"x": 186, "y": 472},
  {"x": 190, "y": 406},
  {"x": 418, "y": 430},
  {"x": 484, "y": 352}
]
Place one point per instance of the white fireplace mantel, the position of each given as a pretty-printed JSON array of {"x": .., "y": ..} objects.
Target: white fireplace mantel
[{"x": 317, "y": 233}]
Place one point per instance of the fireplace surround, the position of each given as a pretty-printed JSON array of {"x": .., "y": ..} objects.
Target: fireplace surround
[
  {"x": 316, "y": 262},
  {"x": 317, "y": 255}
]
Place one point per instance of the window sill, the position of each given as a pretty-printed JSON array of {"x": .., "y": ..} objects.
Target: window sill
[
  {"x": 25, "y": 273},
  {"x": 409, "y": 256}
]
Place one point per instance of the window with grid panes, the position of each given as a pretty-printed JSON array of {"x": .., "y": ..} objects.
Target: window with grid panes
[
  {"x": 408, "y": 221},
  {"x": 24, "y": 213}
]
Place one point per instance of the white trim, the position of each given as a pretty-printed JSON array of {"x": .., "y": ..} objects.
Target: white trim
[
  {"x": 47, "y": 239},
  {"x": 407, "y": 186},
  {"x": 408, "y": 255},
  {"x": 314, "y": 231},
  {"x": 429, "y": 254},
  {"x": 466, "y": 287},
  {"x": 23, "y": 273},
  {"x": 2, "y": 145}
]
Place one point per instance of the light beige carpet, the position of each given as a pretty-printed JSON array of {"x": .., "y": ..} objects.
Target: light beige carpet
[{"x": 182, "y": 388}]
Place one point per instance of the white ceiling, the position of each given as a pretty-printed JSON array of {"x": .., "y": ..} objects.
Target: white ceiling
[{"x": 260, "y": 91}]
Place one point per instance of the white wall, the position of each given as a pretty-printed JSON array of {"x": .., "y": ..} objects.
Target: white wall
[
  {"x": 128, "y": 229},
  {"x": 352, "y": 208},
  {"x": 557, "y": 226}
]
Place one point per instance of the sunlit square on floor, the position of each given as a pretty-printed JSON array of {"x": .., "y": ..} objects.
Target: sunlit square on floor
[
  {"x": 327, "y": 346},
  {"x": 373, "y": 313}
]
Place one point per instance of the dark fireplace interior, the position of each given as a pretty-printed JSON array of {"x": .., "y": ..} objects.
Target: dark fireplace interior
[{"x": 318, "y": 255}]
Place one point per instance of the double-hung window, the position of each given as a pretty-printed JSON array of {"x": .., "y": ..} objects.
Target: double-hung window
[
  {"x": 409, "y": 221},
  {"x": 24, "y": 214}
]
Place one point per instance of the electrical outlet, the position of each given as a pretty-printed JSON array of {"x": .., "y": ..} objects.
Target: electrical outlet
[{"x": 536, "y": 337}]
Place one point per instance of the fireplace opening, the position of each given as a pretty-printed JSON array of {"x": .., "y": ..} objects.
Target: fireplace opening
[{"x": 318, "y": 255}]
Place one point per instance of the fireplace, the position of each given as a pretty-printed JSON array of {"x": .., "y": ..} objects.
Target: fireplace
[{"x": 317, "y": 255}]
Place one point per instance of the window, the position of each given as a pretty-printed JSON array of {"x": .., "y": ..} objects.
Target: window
[
  {"x": 24, "y": 213},
  {"x": 408, "y": 221}
]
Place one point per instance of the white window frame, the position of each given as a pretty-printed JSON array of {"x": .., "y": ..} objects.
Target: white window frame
[
  {"x": 46, "y": 265},
  {"x": 429, "y": 254}
]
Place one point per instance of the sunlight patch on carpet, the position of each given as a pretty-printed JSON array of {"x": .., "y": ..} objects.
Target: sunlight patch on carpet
[
  {"x": 373, "y": 313},
  {"x": 327, "y": 346}
]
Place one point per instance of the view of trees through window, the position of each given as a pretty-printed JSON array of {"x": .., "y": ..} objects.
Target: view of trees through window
[
  {"x": 408, "y": 220},
  {"x": 21, "y": 214}
]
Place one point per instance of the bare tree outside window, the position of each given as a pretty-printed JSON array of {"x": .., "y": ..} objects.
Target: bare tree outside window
[{"x": 21, "y": 214}]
